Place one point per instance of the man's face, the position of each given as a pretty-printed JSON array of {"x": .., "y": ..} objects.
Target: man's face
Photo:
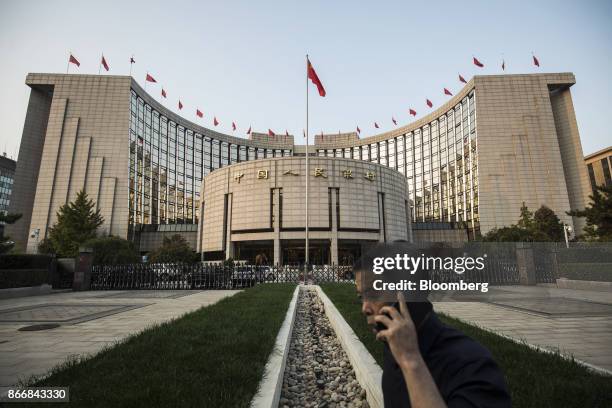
[{"x": 368, "y": 307}]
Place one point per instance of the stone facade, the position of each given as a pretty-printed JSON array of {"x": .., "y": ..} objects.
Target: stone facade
[
  {"x": 599, "y": 167},
  {"x": 264, "y": 200}
]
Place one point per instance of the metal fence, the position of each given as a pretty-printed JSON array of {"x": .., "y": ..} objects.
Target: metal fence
[
  {"x": 550, "y": 261},
  {"x": 210, "y": 276}
]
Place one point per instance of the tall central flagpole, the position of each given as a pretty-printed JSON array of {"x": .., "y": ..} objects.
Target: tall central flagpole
[{"x": 307, "y": 170}]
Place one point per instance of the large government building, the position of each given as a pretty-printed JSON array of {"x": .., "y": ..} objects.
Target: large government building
[{"x": 458, "y": 172}]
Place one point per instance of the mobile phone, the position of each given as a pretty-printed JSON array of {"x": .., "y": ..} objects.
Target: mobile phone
[
  {"x": 418, "y": 312},
  {"x": 380, "y": 326}
]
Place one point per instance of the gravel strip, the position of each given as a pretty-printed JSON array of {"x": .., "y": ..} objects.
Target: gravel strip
[{"x": 318, "y": 372}]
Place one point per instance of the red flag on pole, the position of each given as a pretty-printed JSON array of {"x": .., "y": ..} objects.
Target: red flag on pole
[
  {"x": 535, "y": 61},
  {"x": 393, "y": 120},
  {"x": 74, "y": 61},
  {"x": 376, "y": 125},
  {"x": 180, "y": 104},
  {"x": 163, "y": 93},
  {"x": 233, "y": 126},
  {"x": 312, "y": 75},
  {"x": 249, "y": 131},
  {"x": 478, "y": 63},
  {"x": 462, "y": 79},
  {"x": 412, "y": 112},
  {"x": 149, "y": 78},
  {"x": 215, "y": 121},
  {"x": 199, "y": 113},
  {"x": 428, "y": 103},
  {"x": 271, "y": 133},
  {"x": 104, "y": 63},
  {"x": 358, "y": 130},
  {"x": 447, "y": 92}
]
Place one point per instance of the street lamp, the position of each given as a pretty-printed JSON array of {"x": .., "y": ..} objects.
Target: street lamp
[{"x": 567, "y": 230}]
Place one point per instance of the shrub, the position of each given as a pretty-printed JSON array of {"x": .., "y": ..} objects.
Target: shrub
[
  {"x": 112, "y": 251},
  {"x": 25, "y": 261},
  {"x": 19, "y": 278},
  {"x": 173, "y": 249}
]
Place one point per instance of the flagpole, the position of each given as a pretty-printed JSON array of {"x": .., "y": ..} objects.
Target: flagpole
[
  {"x": 131, "y": 63},
  {"x": 307, "y": 174},
  {"x": 100, "y": 64},
  {"x": 145, "y": 84},
  {"x": 68, "y": 64}
]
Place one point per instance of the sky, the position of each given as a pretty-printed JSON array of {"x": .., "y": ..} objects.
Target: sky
[{"x": 244, "y": 61}]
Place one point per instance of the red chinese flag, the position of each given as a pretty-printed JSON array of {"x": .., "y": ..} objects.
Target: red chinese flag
[
  {"x": 428, "y": 103},
  {"x": 74, "y": 61},
  {"x": 215, "y": 121},
  {"x": 150, "y": 78},
  {"x": 180, "y": 104},
  {"x": 104, "y": 63},
  {"x": 233, "y": 126},
  {"x": 358, "y": 130},
  {"x": 393, "y": 120},
  {"x": 412, "y": 112},
  {"x": 312, "y": 75},
  {"x": 478, "y": 63},
  {"x": 199, "y": 113},
  {"x": 462, "y": 79},
  {"x": 271, "y": 133},
  {"x": 163, "y": 93},
  {"x": 249, "y": 131},
  {"x": 535, "y": 61},
  {"x": 376, "y": 125},
  {"x": 447, "y": 92}
]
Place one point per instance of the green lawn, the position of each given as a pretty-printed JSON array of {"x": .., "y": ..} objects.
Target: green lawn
[
  {"x": 535, "y": 379},
  {"x": 213, "y": 357}
]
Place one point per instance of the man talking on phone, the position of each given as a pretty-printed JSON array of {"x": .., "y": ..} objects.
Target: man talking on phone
[{"x": 428, "y": 364}]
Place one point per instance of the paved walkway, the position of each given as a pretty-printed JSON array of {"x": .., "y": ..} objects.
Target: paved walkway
[
  {"x": 89, "y": 321},
  {"x": 576, "y": 322}
]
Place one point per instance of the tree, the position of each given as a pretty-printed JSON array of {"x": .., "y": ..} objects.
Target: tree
[
  {"x": 77, "y": 222},
  {"x": 526, "y": 218},
  {"x": 112, "y": 251},
  {"x": 542, "y": 226},
  {"x": 547, "y": 222},
  {"x": 598, "y": 215},
  {"x": 173, "y": 249},
  {"x": 6, "y": 244}
]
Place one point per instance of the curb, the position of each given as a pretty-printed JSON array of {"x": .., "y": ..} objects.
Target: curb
[
  {"x": 367, "y": 371},
  {"x": 269, "y": 389}
]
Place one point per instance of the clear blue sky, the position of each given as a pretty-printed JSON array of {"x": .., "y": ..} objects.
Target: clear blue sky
[{"x": 244, "y": 60}]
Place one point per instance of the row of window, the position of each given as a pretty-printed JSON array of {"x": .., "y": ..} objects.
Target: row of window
[{"x": 169, "y": 161}]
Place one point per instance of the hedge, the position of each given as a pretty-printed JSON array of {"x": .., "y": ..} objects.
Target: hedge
[{"x": 19, "y": 278}]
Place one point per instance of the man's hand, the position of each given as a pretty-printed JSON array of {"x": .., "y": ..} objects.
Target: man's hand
[{"x": 400, "y": 334}]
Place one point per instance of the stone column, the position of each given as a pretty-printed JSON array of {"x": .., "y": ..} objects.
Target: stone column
[
  {"x": 525, "y": 263},
  {"x": 229, "y": 245},
  {"x": 82, "y": 270},
  {"x": 381, "y": 217},
  {"x": 334, "y": 228},
  {"x": 276, "y": 226}
]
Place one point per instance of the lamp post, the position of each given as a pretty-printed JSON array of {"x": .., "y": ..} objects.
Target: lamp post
[{"x": 567, "y": 230}]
